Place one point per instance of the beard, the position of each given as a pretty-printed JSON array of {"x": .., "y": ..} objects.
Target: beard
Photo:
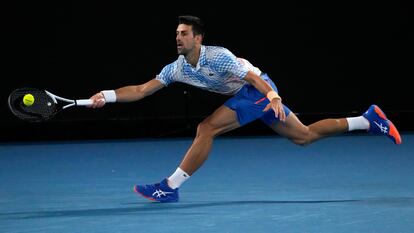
[{"x": 182, "y": 51}]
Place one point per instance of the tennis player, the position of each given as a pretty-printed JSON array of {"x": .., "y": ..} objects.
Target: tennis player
[{"x": 252, "y": 95}]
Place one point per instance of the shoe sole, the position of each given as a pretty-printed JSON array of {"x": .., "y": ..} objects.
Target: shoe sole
[{"x": 138, "y": 192}]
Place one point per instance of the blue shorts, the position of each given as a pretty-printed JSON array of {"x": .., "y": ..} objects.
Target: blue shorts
[{"x": 249, "y": 103}]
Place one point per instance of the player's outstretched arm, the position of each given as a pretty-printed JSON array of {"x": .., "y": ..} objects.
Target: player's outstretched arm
[{"x": 126, "y": 94}]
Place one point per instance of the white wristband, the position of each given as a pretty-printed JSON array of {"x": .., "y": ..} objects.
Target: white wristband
[{"x": 109, "y": 95}]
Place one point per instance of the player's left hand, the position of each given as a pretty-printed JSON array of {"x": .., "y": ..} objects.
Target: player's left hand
[{"x": 277, "y": 106}]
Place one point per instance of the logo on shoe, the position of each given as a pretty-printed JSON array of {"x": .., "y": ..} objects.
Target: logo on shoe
[
  {"x": 383, "y": 129},
  {"x": 159, "y": 193}
]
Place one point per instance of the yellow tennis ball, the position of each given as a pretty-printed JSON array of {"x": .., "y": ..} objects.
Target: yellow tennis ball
[{"x": 28, "y": 100}]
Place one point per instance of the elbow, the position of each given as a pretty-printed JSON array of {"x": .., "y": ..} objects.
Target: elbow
[
  {"x": 143, "y": 91},
  {"x": 140, "y": 92}
]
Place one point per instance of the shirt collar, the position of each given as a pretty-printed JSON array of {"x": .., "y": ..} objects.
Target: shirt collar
[{"x": 201, "y": 60}]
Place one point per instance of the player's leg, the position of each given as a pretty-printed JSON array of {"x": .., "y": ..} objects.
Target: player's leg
[
  {"x": 222, "y": 120},
  {"x": 373, "y": 120},
  {"x": 301, "y": 134}
]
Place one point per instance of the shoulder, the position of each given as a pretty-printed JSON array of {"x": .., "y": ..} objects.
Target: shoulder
[
  {"x": 217, "y": 53},
  {"x": 171, "y": 72},
  {"x": 175, "y": 64},
  {"x": 215, "y": 50}
]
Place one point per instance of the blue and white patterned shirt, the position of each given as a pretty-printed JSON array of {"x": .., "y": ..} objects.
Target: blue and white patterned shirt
[{"x": 217, "y": 70}]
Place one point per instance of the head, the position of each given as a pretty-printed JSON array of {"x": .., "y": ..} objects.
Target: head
[{"x": 190, "y": 34}]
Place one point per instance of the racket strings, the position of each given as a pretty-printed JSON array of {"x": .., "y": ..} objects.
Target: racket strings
[{"x": 42, "y": 109}]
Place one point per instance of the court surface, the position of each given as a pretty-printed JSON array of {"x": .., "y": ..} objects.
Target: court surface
[{"x": 349, "y": 183}]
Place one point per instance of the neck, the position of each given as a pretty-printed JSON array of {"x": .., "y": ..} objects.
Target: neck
[{"x": 193, "y": 56}]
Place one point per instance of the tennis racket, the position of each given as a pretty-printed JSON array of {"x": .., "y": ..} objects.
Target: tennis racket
[{"x": 46, "y": 105}]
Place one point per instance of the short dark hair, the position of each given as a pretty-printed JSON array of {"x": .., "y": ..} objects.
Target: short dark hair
[{"x": 195, "y": 22}]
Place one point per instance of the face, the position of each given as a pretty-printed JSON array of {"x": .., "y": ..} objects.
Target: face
[{"x": 186, "y": 41}]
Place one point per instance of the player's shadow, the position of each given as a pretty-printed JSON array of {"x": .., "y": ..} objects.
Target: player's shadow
[
  {"x": 159, "y": 208},
  {"x": 150, "y": 208}
]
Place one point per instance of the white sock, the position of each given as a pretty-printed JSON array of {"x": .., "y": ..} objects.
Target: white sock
[
  {"x": 355, "y": 123},
  {"x": 177, "y": 178}
]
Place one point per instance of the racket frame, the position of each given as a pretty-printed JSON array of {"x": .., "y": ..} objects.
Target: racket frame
[{"x": 80, "y": 102}]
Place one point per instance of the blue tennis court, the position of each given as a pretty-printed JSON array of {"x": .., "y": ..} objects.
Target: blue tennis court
[{"x": 348, "y": 183}]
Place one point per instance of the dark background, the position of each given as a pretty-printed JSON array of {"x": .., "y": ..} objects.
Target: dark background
[{"x": 328, "y": 60}]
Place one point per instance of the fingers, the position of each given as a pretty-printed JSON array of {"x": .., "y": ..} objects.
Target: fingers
[
  {"x": 98, "y": 100},
  {"x": 282, "y": 114},
  {"x": 267, "y": 107},
  {"x": 278, "y": 110}
]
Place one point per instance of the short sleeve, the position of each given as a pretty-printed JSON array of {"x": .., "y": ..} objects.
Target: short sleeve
[
  {"x": 226, "y": 62},
  {"x": 168, "y": 74}
]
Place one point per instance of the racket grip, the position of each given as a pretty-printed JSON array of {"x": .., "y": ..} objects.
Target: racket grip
[{"x": 84, "y": 102}]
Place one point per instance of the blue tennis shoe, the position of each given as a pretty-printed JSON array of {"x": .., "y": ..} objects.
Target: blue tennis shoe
[
  {"x": 159, "y": 192},
  {"x": 379, "y": 124}
]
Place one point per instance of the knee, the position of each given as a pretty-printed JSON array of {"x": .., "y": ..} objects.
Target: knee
[
  {"x": 301, "y": 142},
  {"x": 205, "y": 129},
  {"x": 304, "y": 139}
]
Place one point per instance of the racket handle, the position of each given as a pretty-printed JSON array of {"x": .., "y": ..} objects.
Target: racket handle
[{"x": 84, "y": 102}]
